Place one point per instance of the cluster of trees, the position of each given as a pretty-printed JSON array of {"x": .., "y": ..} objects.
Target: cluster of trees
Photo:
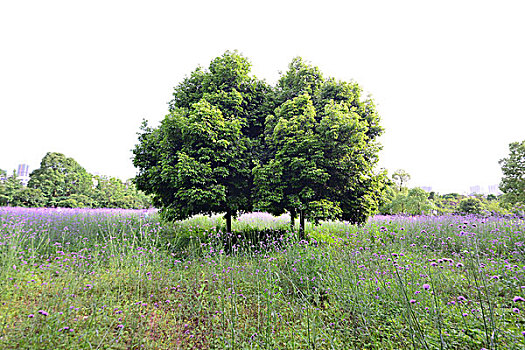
[
  {"x": 62, "y": 182},
  {"x": 415, "y": 201},
  {"x": 232, "y": 143}
]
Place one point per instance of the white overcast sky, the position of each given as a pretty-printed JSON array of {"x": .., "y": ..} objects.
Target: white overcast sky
[{"x": 448, "y": 76}]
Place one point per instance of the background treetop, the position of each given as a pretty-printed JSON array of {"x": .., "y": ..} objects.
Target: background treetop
[{"x": 513, "y": 168}]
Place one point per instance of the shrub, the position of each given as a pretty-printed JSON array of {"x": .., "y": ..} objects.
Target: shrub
[{"x": 470, "y": 205}]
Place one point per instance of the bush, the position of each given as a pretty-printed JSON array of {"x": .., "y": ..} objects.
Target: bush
[{"x": 470, "y": 205}]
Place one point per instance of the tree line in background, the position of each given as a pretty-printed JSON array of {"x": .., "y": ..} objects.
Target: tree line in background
[
  {"x": 62, "y": 182},
  {"x": 400, "y": 199}
]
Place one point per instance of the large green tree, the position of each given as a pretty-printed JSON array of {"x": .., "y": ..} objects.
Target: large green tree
[
  {"x": 513, "y": 168},
  {"x": 58, "y": 178},
  {"x": 321, "y": 149},
  {"x": 9, "y": 189},
  {"x": 292, "y": 179},
  {"x": 199, "y": 159},
  {"x": 195, "y": 162}
]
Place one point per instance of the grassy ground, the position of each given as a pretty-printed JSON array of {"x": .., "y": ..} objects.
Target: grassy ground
[{"x": 115, "y": 279}]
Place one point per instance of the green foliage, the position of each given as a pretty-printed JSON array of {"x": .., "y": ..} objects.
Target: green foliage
[
  {"x": 199, "y": 160},
  {"x": 111, "y": 192},
  {"x": 418, "y": 202},
  {"x": 321, "y": 149},
  {"x": 28, "y": 197},
  {"x": 513, "y": 168},
  {"x": 492, "y": 197},
  {"x": 62, "y": 182},
  {"x": 471, "y": 205},
  {"x": 493, "y": 207},
  {"x": 293, "y": 176},
  {"x": 196, "y": 162},
  {"x": 231, "y": 142},
  {"x": 414, "y": 202},
  {"x": 401, "y": 177},
  {"x": 301, "y": 78},
  {"x": 228, "y": 86},
  {"x": 58, "y": 178},
  {"x": 9, "y": 189}
]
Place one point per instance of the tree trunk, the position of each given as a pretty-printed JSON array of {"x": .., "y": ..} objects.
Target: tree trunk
[
  {"x": 293, "y": 215},
  {"x": 301, "y": 225},
  {"x": 228, "y": 218}
]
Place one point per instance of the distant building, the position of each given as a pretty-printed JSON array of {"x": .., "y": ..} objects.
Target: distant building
[
  {"x": 23, "y": 170},
  {"x": 23, "y": 173},
  {"x": 494, "y": 189},
  {"x": 475, "y": 189}
]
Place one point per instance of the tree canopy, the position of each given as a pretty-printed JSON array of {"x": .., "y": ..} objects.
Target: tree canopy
[
  {"x": 8, "y": 190},
  {"x": 322, "y": 149},
  {"x": 200, "y": 159},
  {"x": 513, "y": 168},
  {"x": 62, "y": 182},
  {"x": 58, "y": 178},
  {"x": 231, "y": 143},
  {"x": 197, "y": 163}
]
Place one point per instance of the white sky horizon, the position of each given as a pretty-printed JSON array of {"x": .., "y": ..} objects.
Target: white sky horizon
[{"x": 447, "y": 77}]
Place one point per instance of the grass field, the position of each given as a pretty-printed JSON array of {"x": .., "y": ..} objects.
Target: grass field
[{"x": 121, "y": 279}]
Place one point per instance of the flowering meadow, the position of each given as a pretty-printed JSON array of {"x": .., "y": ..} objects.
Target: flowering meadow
[{"x": 122, "y": 279}]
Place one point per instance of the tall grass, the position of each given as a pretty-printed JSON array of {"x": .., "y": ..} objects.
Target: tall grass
[{"x": 114, "y": 279}]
